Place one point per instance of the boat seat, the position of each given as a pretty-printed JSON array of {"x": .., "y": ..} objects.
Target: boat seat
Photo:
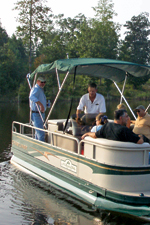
[
  {"x": 56, "y": 124},
  {"x": 76, "y": 128},
  {"x": 65, "y": 141},
  {"x": 86, "y": 123}
]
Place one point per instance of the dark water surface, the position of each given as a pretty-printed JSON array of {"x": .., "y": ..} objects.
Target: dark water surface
[{"x": 26, "y": 200}]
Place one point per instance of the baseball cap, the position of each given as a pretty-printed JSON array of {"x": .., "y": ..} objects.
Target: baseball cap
[
  {"x": 42, "y": 79},
  {"x": 139, "y": 107}
]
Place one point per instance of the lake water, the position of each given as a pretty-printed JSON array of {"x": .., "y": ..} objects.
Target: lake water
[{"x": 25, "y": 200}]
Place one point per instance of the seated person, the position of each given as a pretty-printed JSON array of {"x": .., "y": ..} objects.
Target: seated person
[
  {"x": 123, "y": 106},
  {"x": 117, "y": 131},
  {"x": 92, "y": 102},
  {"x": 100, "y": 121},
  {"x": 142, "y": 123},
  {"x": 84, "y": 124}
]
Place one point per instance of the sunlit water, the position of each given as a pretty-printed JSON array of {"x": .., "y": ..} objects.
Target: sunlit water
[{"x": 26, "y": 200}]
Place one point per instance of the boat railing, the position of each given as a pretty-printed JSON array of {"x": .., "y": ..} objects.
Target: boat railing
[
  {"x": 101, "y": 150},
  {"x": 22, "y": 128},
  {"x": 54, "y": 138}
]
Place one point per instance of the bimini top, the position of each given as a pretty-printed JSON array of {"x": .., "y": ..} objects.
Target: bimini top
[{"x": 114, "y": 70}]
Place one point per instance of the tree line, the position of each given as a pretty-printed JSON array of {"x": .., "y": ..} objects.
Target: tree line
[{"x": 42, "y": 37}]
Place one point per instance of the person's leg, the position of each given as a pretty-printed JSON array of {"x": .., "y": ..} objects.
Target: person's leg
[{"x": 37, "y": 122}]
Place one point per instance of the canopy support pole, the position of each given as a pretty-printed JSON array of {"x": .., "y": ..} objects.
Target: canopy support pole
[
  {"x": 56, "y": 97},
  {"x": 124, "y": 99},
  {"x": 28, "y": 80},
  {"x": 34, "y": 79},
  {"x": 147, "y": 108},
  {"x": 71, "y": 100},
  {"x": 123, "y": 87},
  {"x": 58, "y": 81}
]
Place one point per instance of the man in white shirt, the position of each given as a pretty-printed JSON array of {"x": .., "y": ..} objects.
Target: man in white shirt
[{"x": 92, "y": 102}]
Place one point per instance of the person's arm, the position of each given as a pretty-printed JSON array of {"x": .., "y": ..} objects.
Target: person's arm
[
  {"x": 42, "y": 109},
  {"x": 78, "y": 112},
  {"x": 140, "y": 141},
  {"x": 128, "y": 122},
  {"x": 101, "y": 113},
  {"x": 132, "y": 121},
  {"x": 80, "y": 106},
  {"x": 90, "y": 134}
]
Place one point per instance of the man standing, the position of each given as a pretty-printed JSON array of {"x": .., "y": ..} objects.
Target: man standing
[
  {"x": 92, "y": 102},
  {"x": 38, "y": 101},
  {"x": 117, "y": 131},
  {"x": 142, "y": 123}
]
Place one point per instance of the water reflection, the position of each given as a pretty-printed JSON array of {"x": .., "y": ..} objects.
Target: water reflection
[{"x": 30, "y": 201}]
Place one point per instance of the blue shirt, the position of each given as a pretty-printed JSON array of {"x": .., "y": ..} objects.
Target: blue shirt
[
  {"x": 37, "y": 94},
  {"x": 96, "y": 128}
]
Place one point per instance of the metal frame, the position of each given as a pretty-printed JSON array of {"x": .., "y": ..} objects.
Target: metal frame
[
  {"x": 124, "y": 99},
  {"x": 123, "y": 87},
  {"x": 60, "y": 88},
  {"x": 21, "y": 131},
  {"x": 147, "y": 108},
  {"x": 59, "y": 84}
]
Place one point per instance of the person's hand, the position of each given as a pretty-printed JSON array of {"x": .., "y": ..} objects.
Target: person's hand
[
  {"x": 78, "y": 121},
  {"x": 83, "y": 136},
  {"x": 132, "y": 121},
  {"x": 140, "y": 141},
  {"x": 42, "y": 109}
]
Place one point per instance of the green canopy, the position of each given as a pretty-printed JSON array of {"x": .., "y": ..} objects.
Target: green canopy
[{"x": 97, "y": 67}]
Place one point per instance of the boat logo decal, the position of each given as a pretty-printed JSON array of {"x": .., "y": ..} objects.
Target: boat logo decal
[
  {"x": 45, "y": 153},
  {"x": 19, "y": 145},
  {"x": 67, "y": 164}
]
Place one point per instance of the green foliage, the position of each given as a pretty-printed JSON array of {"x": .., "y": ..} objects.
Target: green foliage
[
  {"x": 12, "y": 66},
  {"x": 137, "y": 38},
  {"x": 52, "y": 37},
  {"x": 3, "y": 36},
  {"x": 54, "y": 51},
  {"x": 104, "y": 11},
  {"x": 23, "y": 91},
  {"x": 136, "y": 46},
  {"x": 34, "y": 18},
  {"x": 82, "y": 37},
  {"x": 105, "y": 31}
]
